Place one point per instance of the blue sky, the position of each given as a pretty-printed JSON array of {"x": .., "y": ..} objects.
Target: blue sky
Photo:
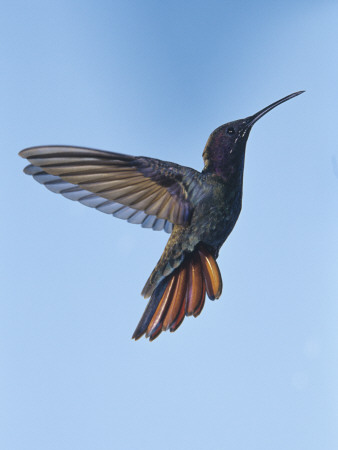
[{"x": 258, "y": 369}]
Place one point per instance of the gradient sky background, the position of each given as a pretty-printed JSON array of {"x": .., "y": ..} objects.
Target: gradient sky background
[{"x": 258, "y": 369}]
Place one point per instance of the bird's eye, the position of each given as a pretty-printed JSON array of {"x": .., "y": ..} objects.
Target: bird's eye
[{"x": 230, "y": 130}]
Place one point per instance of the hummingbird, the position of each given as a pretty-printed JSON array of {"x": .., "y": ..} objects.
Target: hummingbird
[{"x": 198, "y": 209}]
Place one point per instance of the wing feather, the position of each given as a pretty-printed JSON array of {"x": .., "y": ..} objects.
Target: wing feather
[{"x": 142, "y": 190}]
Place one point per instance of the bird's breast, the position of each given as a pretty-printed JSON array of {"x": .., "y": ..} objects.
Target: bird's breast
[{"x": 216, "y": 213}]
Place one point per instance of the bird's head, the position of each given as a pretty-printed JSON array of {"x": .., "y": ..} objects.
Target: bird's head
[{"x": 225, "y": 149}]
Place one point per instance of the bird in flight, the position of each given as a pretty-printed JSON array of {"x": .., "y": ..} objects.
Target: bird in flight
[{"x": 198, "y": 209}]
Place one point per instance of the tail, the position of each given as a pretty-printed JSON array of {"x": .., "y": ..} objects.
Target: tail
[{"x": 182, "y": 293}]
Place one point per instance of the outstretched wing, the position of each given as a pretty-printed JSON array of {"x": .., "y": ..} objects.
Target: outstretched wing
[{"x": 141, "y": 190}]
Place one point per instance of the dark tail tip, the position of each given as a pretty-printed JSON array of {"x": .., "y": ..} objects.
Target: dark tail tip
[{"x": 150, "y": 310}]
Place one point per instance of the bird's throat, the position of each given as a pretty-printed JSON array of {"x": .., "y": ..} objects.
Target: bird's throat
[{"x": 229, "y": 168}]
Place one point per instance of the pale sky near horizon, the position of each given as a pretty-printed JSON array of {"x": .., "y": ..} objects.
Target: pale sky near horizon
[{"x": 258, "y": 368}]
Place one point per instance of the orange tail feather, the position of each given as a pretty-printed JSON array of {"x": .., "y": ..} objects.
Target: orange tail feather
[
  {"x": 178, "y": 298},
  {"x": 202, "y": 302},
  {"x": 155, "y": 325},
  {"x": 179, "y": 319},
  {"x": 211, "y": 273},
  {"x": 195, "y": 285},
  {"x": 181, "y": 293}
]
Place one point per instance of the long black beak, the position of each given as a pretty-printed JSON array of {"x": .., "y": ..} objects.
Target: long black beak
[{"x": 253, "y": 119}]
